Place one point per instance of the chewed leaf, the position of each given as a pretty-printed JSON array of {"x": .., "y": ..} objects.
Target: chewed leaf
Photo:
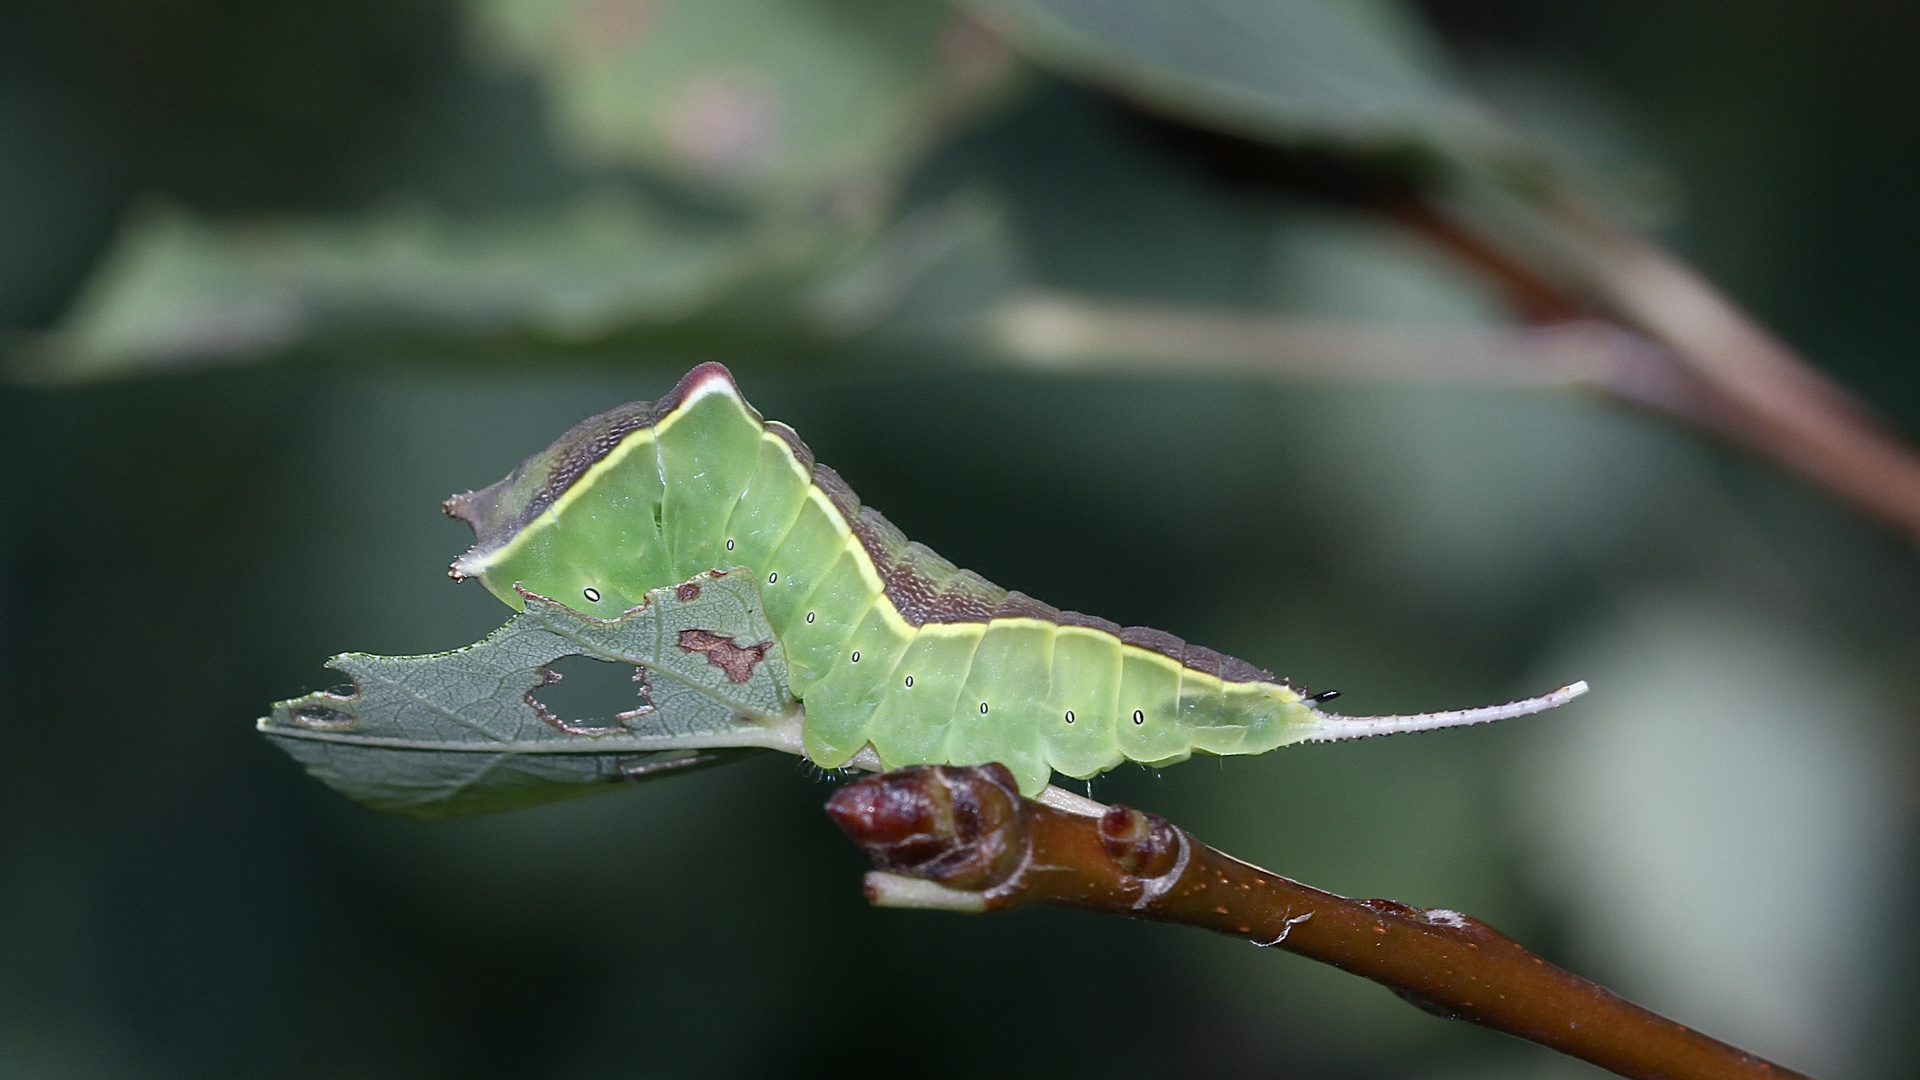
[
  {"x": 463, "y": 732},
  {"x": 709, "y": 633}
]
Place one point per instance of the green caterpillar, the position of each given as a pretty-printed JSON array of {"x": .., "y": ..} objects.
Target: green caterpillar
[{"x": 888, "y": 645}]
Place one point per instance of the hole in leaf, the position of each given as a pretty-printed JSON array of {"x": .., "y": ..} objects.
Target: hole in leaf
[{"x": 590, "y": 692}]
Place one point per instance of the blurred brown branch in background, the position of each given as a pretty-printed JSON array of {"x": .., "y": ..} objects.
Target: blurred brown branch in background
[
  {"x": 1057, "y": 330},
  {"x": 962, "y": 839},
  {"x": 1637, "y": 324},
  {"x": 1706, "y": 362},
  {"x": 1598, "y": 304}
]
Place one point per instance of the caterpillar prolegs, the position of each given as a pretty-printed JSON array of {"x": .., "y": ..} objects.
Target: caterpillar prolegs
[{"x": 887, "y": 643}]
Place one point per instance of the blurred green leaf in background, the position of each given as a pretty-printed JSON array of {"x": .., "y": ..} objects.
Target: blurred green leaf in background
[{"x": 814, "y": 108}]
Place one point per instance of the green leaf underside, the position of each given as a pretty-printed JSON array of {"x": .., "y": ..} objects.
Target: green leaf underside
[{"x": 460, "y": 732}]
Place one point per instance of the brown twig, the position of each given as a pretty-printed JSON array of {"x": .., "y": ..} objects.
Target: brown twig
[{"x": 963, "y": 839}]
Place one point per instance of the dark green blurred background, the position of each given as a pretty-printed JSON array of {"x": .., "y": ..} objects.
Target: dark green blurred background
[{"x": 1722, "y": 830}]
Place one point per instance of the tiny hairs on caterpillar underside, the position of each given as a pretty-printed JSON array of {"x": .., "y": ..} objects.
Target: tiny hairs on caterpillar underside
[{"x": 888, "y": 645}]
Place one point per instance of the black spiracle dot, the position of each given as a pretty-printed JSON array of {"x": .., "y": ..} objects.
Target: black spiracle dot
[
  {"x": 1069, "y": 716},
  {"x": 771, "y": 578},
  {"x": 729, "y": 543},
  {"x": 983, "y": 708},
  {"x": 1139, "y": 717},
  {"x": 809, "y": 616},
  {"x": 856, "y": 656},
  {"x": 909, "y": 682},
  {"x": 591, "y": 593}
]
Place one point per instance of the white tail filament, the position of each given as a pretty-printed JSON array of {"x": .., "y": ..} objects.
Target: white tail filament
[{"x": 1331, "y": 727}]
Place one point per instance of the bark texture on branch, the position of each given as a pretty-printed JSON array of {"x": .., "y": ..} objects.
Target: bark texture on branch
[{"x": 963, "y": 839}]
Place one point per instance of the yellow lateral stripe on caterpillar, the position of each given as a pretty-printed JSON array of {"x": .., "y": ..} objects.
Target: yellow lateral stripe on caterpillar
[{"x": 889, "y": 646}]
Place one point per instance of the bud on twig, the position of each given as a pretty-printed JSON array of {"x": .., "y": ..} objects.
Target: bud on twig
[
  {"x": 961, "y": 827},
  {"x": 1143, "y": 845}
]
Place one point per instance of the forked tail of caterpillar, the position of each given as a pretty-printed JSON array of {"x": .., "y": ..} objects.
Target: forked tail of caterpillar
[{"x": 1332, "y": 727}]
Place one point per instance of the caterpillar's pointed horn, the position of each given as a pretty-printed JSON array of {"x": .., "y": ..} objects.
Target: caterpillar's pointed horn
[{"x": 1330, "y": 727}]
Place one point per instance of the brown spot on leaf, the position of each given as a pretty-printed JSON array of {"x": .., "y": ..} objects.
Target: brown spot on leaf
[
  {"x": 687, "y": 591},
  {"x": 738, "y": 661}
]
